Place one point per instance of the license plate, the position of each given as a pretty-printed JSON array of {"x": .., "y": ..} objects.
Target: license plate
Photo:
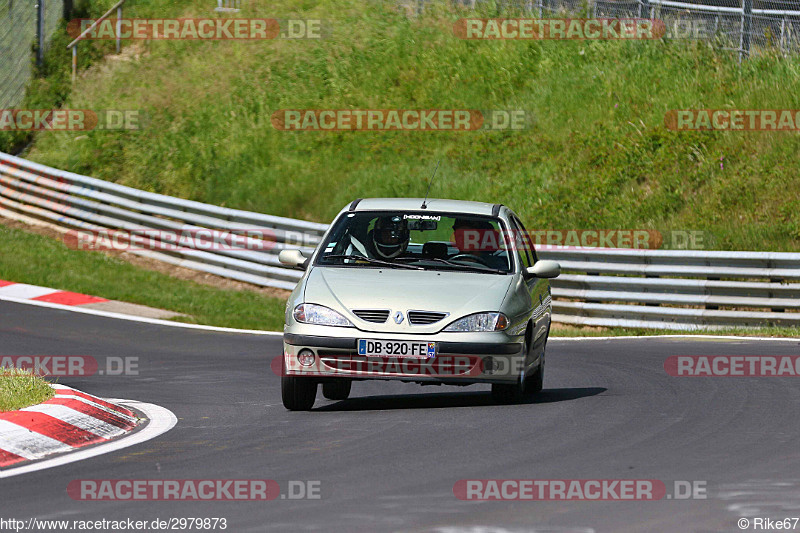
[{"x": 409, "y": 349}]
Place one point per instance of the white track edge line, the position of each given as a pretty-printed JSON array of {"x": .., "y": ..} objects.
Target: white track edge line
[
  {"x": 160, "y": 419},
  {"x": 133, "y": 318},
  {"x": 160, "y": 322},
  {"x": 695, "y": 337}
]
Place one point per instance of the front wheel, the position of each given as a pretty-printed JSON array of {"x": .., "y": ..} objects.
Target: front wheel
[
  {"x": 298, "y": 393},
  {"x": 511, "y": 392},
  {"x": 536, "y": 381},
  {"x": 337, "y": 390}
]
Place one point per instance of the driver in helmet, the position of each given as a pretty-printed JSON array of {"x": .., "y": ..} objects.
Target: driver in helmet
[{"x": 390, "y": 236}]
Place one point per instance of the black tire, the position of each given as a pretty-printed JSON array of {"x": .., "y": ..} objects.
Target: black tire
[
  {"x": 512, "y": 392},
  {"x": 536, "y": 381},
  {"x": 337, "y": 390},
  {"x": 298, "y": 393}
]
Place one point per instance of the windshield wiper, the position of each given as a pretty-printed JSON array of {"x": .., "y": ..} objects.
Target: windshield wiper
[
  {"x": 475, "y": 267},
  {"x": 372, "y": 261}
]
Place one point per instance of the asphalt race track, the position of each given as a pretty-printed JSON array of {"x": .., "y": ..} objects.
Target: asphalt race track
[{"x": 388, "y": 458}]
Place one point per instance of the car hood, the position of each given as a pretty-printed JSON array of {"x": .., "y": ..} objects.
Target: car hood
[{"x": 456, "y": 293}]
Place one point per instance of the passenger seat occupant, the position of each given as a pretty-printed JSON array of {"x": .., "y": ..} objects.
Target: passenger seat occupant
[
  {"x": 475, "y": 236},
  {"x": 432, "y": 250}
]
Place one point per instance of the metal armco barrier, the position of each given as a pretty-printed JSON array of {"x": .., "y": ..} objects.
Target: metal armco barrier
[
  {"x": 675, "y": 289},
  {"x": 664, "y": 289},
  {"x": 65, "y": 201}
]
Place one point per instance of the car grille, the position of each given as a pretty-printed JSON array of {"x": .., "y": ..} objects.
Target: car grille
[
  {"x": 378, "y": 316},
  {"x": 421, "y": 318},
  {"x": 441, "y": 367}
]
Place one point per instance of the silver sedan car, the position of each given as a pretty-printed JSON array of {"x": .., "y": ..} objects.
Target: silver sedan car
[{"x": 422, "y": 291}]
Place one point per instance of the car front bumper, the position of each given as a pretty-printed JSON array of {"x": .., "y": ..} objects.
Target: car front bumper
[{"x": 492, "y": 357}]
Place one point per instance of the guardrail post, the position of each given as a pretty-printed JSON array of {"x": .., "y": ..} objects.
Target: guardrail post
[
  {"x": 652, "y": 304},
  {"x": 777, "y": 309},
  {"x": 40, "y": 33},
  {"x": 712, "y": 307},
  {"x": 747, "y": 22},
  {"x": 228, "y": 6},
  {"x": 119, "y": 26}
]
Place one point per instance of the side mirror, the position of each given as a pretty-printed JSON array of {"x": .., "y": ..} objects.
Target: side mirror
[
  {"x": 292, "y": 258},
  {"x": 544, "y": 269}
]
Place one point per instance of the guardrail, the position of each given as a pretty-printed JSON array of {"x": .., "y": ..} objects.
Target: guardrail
[
  {"x": 676, "y": 289},
  {"x": 673, "y": 289},
  {"x": 65, "y": 201}
]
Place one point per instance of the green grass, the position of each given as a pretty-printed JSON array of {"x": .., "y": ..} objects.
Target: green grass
[
  {"x": 39, "y": 260},
  {"x": 19, "y": 388},
  {"x": 597, "y": 155},
  {"x": 573, "y": 331}
]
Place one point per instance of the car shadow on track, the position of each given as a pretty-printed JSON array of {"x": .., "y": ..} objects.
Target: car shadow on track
[{"x": 441, "y": 400}]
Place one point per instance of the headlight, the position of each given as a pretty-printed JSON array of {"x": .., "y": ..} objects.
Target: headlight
[
  {"x": 480, "y": 322},
  {"x": 320, "y": 315}
]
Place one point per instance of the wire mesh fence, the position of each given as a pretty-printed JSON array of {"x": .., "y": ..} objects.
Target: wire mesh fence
[
  {"x": 745, "y": 26},
  {"x": 20, "y": 24}
]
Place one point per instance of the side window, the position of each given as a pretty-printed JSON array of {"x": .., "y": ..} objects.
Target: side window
[
  {"x": 518, "y": 235},
  {"x": 528, "y": 242}
]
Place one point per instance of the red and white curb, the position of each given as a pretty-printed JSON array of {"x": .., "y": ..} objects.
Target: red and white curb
[
  {"x": 44, "y": 294},
  {"x": 69, "y": 420}
]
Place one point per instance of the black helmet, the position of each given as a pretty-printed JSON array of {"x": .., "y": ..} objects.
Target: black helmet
[{"x": 390, "y": 236}]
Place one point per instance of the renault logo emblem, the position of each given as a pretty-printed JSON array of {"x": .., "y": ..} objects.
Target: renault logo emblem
[{"x": 398, "y": 317}]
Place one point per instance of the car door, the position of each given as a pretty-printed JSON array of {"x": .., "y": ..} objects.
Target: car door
[{"x": 538, "y": 288}]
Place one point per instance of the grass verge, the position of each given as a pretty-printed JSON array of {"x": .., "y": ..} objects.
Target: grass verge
[
  {"x": 20, "y": 388},
  {"x": 597, "y": 153},
  {"x": 39, "y": 260}
]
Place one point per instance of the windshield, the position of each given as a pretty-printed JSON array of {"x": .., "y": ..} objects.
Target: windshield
[{"x": 429, "y": 241}]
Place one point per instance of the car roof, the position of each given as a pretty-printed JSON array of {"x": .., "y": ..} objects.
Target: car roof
[{"x": 433, "y": 204}]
